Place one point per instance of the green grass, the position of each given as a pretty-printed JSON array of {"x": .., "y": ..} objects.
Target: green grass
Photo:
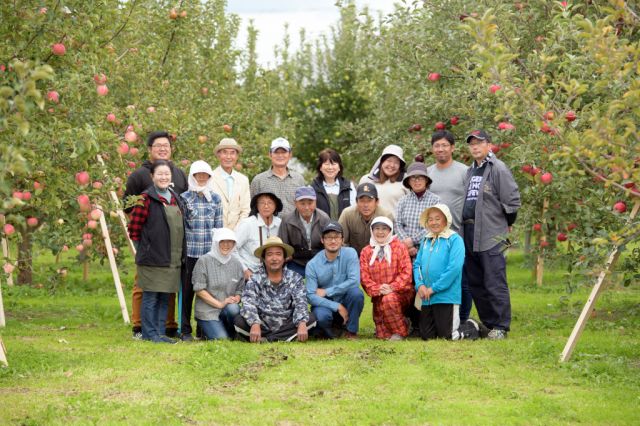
[{"x": 72, "y": 360}]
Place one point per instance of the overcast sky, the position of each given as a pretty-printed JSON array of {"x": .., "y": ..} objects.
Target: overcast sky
[{"x": 270, "y": 16}]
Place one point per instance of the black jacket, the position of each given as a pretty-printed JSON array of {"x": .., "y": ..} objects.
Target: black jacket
[
  {"x": 322, "y": 201},
  {"x": 154, "y": 248},
  {"x": 140, "y": 180}
]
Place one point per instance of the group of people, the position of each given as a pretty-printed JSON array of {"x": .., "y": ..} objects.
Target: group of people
[{"x": 424, "y": 243}]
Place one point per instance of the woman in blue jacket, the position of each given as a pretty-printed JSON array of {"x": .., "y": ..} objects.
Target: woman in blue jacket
[{"x": 437, "y": 273}]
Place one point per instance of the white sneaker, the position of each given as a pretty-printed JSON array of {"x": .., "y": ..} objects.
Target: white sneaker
[
  {"x": 496, "y": 334},
  {"x": 395, "y": 338}
]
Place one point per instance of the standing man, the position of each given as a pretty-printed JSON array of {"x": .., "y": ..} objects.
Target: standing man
[
  {"x": 333, "y": 284},
  {"x": 274, "y": 302},
  {"x": 490, "y": 208},
  {"x": 279, "y": 179},
  {"x": 232, "y": 186},
  {"x": 302, "y": 229},
  {"x": 356, "y": 220},
  {"x": 449, "y": 185},
  {"x": 160, "y": 148}
]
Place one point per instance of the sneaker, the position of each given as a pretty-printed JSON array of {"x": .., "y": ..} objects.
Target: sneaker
[
  {"x": 395, "y": 338},
  {"x": 171, "y": 332},
  {"x": 165, "y": 339},
  {"x": 350, "y": 336},
  {"x": 137, "y": 333},
  {"x": 483, "y": 330},
  {"x": 496, "y": 334},
  {"x": 469, "y": 330},
  {"x": 187, "y": 337}
]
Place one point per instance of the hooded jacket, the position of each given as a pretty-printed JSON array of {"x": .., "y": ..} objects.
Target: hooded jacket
[{"x": 439, "y": 262}]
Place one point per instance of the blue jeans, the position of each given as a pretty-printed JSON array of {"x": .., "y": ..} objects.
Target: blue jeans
[
  {"x": 154, "y": 314},
  {"x": 296, "y": 267},
  {"x": 467, "y": 300},
  {"x": 353, "y": 300},
  {"x": 222, "y": 328}
]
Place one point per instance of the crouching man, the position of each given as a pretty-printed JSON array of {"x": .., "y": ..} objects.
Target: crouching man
[{"x": 274, "y": 300}]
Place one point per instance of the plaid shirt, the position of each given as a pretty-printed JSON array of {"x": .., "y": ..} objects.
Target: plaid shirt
[
  {"x": 271, "y": 305},
  {"x": 407, "y": 223},
  {"x": 201, "y": 217},
  {"x": 285, "y": 189},
  {"x": 140, "y": 212}
]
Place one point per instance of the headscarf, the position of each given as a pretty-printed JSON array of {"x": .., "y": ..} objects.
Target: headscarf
[
  {"x": 394, "y": 150},
  {"x": 222, "y": 234},
  {"x": 446, "y": 232},
  {"x": 381, "y": 249},
  {"x": 201, "y": 167}
]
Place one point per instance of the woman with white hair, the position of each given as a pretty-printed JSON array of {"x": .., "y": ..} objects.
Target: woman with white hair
[
  {"x": 385, "y": 273},
  {"x": 203, "y": 214},
  {"x": 218, "y": 281}
]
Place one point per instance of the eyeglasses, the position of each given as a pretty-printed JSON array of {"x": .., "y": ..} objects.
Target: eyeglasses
[
  {"x": 161, "y": 146},
  {"x": 332, "y": 237},
  {"x": 440, "y": 146},
  {"x": 476, "y": 142}
]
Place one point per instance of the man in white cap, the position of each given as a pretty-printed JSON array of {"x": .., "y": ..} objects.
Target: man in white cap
[
  {"x": 279, "y": 179},
  {"x": 232, "y": 186}
]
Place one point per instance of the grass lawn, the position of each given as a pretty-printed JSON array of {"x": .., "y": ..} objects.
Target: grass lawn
[{"x": 72, "y": 360}]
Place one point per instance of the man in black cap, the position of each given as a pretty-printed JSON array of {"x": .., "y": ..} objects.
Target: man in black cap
[
  {"x": 356, "y": 220},
  {"x": 490, "y": 208},
  {"x": 333, "y": 284},
  {"x": 160, "y": 148}
]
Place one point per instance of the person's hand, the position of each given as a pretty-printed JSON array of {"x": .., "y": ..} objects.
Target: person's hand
[
  {"x": 424, "y": 292},
  {"x": 386, "y": 289},
  {"x": 413, "y": 252},
  {"x": 343, "y": 313},
  {"x": 229, "y": 301},
  {"x": 510, "y": 228},
  {"x": 235, "y": 299},
  {"x": 247, "y": 274},
  {"x": 408, "y": 242},
  {"x": 255, "y": 334},
  {"x": 321, "y": 292},
  {"x": 303, "y": 334}
]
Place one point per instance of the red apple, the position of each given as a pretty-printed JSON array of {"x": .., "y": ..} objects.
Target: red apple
[
  {"x": 545, "y": 128},
  {"x": 97, "y": 184},
  {"x": 100, "y": 79},
  {"x": 537, "y": 227},
  {"x": 80, "y": 247},
  {"x": 620, "y": 207},
  {"x": 53, "y": 96},
  {"x": 102, "y": 90},
  {"x": 82, "y": 178},
  {"x": 454, "y": 120},
  {"x": 495, "y": 148},
  {"x": 37, "y": 185},
  {"x": 83, "y": 200},
  {"x": 65, "y": 248},
  {"x": 494, "y": 88},
  {"x": 133, "y": 151},
  {"x": 173, "y": 14},
  {"x": 546, "y": 178},
  {"x": 440, "y": 126},
  {"x": 87, "y": 243},
  {"x": 95, "y": 214},
  {"x": 123, "y": 148},
  {"x": 183, "y": 14},
  {"x": 227, "y": 128},
  {"x": 549, "y": 115},
  {"x": 504, "y": 125},
  {"x": 562, "y": 236},
  {"x": 111, "y": 118},
  {"x": 570, "y": 116},
  {"x": 8, "y": 268},
  {"x": 527, "y": 168},
  {"x": 131, "y": 164},
  {"x": 17, "y": 194},
  {"x": 130, "y": 136},
  {"x": 32, "y": 222},
  {"x": 505, "y": 145},
  {"x": 26, "y": 196},
  {"x": 87, "y": 236},
  {"x": 416, "y": 127},
  {"x": 58, "y": 49},
  {"x": 434, "y": 76},
  {"x": 571, "y": 226},
  {"x": 92, "y": 224},
  {"x": 535, "y": 171},
  {"x": 8, "y": 229},
  {"x": 544, "y": 243}
]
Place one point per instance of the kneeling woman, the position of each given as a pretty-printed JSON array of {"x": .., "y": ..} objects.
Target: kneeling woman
[
  {"x": 218, "y": 280},
  {"x": 157, "y": 230},
  {"x": 385, "y": 272}
]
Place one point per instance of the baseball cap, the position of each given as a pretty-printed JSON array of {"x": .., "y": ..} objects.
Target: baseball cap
[
  {"x": 366, "y": 190},
  {"x": 332, "y": 226},
  {"x": 305, "y": 193},
  {"x": 479, "y": 134},
  {"x": 280, "y": 143}
]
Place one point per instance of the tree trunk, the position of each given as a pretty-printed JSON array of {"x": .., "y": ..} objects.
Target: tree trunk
[
  {"x": 25, "y": 259},
  {"x": 527, "y": 241}
]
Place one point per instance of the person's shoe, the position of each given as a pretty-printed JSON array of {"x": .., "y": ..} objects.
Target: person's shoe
[
  {"x": 187, "y": 337},
  {"x": 137, "y": 333},
  {"x": 350, "y": 336},
  {"x": 171, "y": 332},
  {"x": 469, "y": 330},
  {"x": 166, "y": 339},
  {"x": 395, "y": 338},
  {"x": 483, "y": 330},
  {"x": 496, "y": 334}
]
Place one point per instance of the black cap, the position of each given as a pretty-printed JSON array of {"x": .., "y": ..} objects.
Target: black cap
[
  {"x": 479, "y": 134},
  {"x": 367, "y": 190},
  {"x": 332, "y": 226}
]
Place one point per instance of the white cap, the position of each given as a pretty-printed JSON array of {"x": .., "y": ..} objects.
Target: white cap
[{"x": 280, "y": 143}]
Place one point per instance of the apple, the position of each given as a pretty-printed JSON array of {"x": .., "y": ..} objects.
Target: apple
[
  {"x": 546, "y": 178},
  {"x": 495, "y": 148},
  {"x": 416, "y": 128},
  {"x": 26, "y": 196},
  {"x": 204, "y": 90},
  {"x": 80, "y": 247},
  {"x": 535, "y": 171},
  {"x": 183, "y": 14},
  {"x": 434, "y": 76},
  {"x": 102, "y": 90},
  {"x": 58, "y": 49},
  {"x": 8, "y": 229},
  {"x": 32, "y": 222},
  {"x": 227, "y": 128},
  {"x": 87, "y": 243},
  {"x": 571, "y": 226},
  {"x": 87, "y": 236},
  {"x": 620, "y": 207},
  {"x": 97, "y": 185},
  {"x": 65, "y": 248},
  {"x": 544, "y": 243},
  {"x": 173, "y": 14},
  {"x": 100, "y": 79},
  {"x": 562, "y": 236},
  {"x": 549, "y": 115},
  {"x": 92, "y": 224},
  {"x": 43, "y": 10},
  {"x": 82, "y": 178},
  {"x": 527, "y": 168},
  {"x": 570, "y": 116},
  {"x": 537, "y": 227},
  {"x": 111, "y": 117},
  {"x": 95, "y": 214},
  {"x": 83, "y": 200},
  {"x": 53, "y": 96},
  {"x": 17, "y": 194},
  {"x": 8, "y": 268},
  {"x": 505, "y": 145},
  {"x": 131, "y": 164},
  {"x": 454, "y": 120},
  {"x": 123, "y": 148},
  {"x": 504, "y": 125},
  {"x": 440, "y": 125},
  {"x": 494, "y": 88},
  {"x": 37, "y": 185},
  {"x": 202, "y": 138},
  {"x": 115, "y": 251},
  {"x": 130, "y": 136},
  {"x": 133, "y": 151},
  {"x": 151, "y": 110},
  {"x": 544, "y": 128},
  {"x": 564, "y": 4}
]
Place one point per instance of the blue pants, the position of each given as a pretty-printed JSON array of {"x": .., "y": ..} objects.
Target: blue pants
[
  {"x": 296, "y": 267},
  {"x": 222, "y": 328},
  {"x": 353, "y": 300},
  {"x": 486, "y": 274},
  {"x": 154, "y": 314}
]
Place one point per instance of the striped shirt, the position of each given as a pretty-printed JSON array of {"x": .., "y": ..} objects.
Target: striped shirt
[
  {"x": 201, "y": 218},
  {"x": 285, "y": 189},
  {"x": 407, "y": 223}
]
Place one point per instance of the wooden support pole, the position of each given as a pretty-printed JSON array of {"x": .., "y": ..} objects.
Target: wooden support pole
[
  {"x": 543, "y": 238},
  {"x": 5, "y": 254},
  {"x": 2, "y": 319},
  {"x": 593, "y": 297},
  {"x": 3, "y": 354},
  {"x": 114, "y": 267}
]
